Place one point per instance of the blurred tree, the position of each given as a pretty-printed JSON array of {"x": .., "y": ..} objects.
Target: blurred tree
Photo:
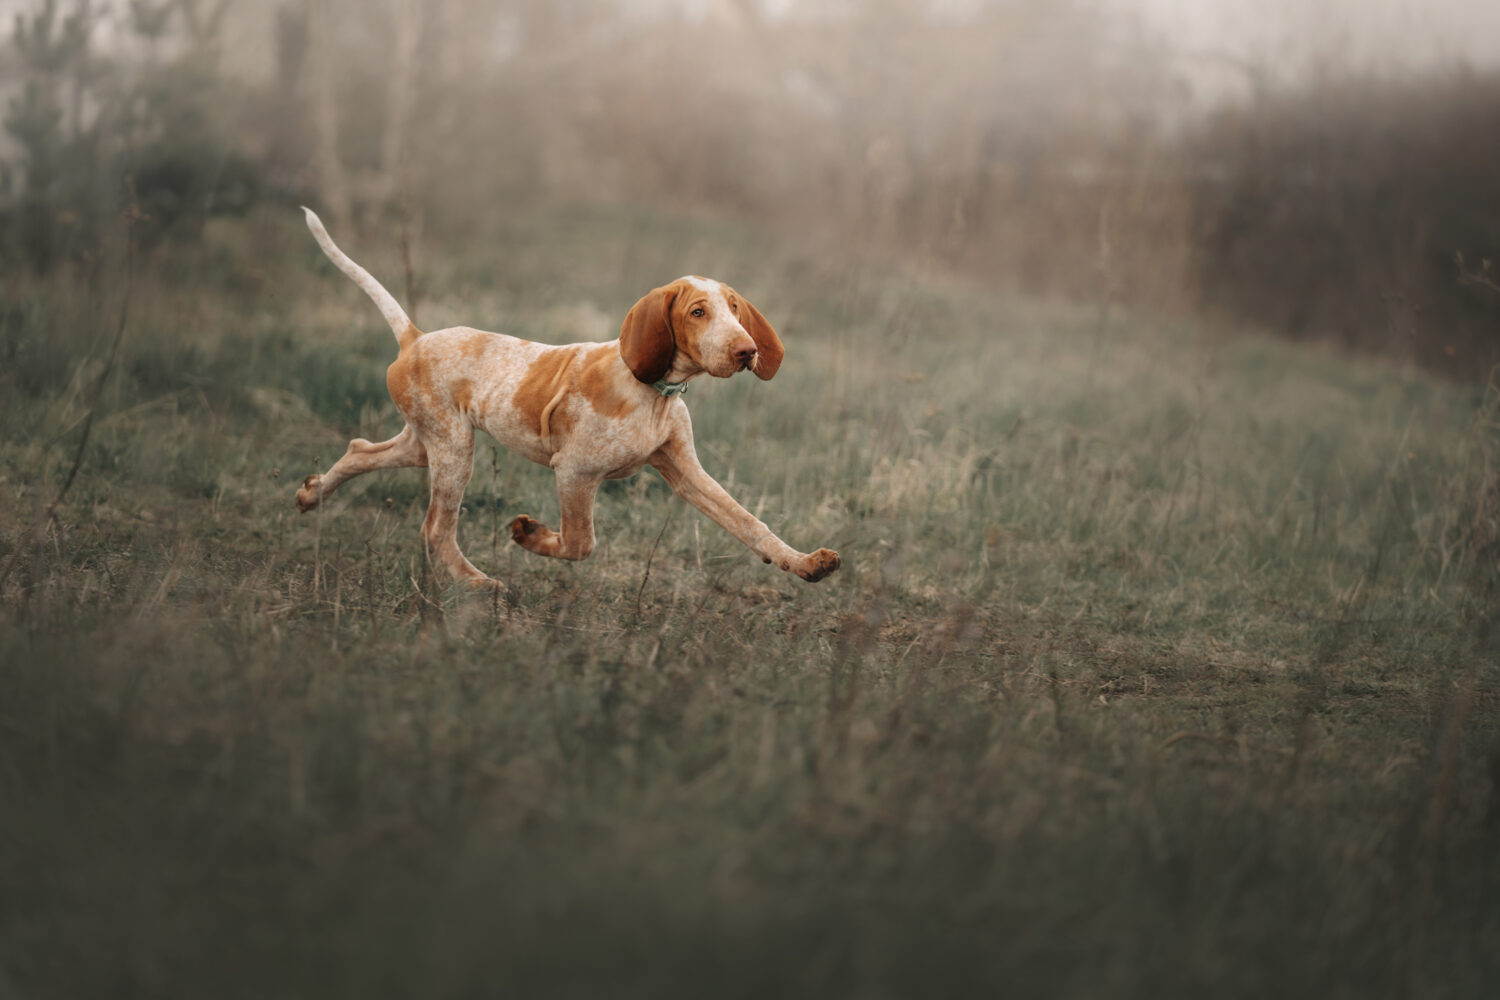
[
  {"x": 151, "y": 20},
  {"x": 1340, "y": 209},
  {"x": 382, "y": 184},
  {"x": 96, "y": 135},
  {"x": 176, "y": 123},
  {"x": 204, "y": 21},
  {"x": 291, "y": 45},
  {"x": 180, "y": 151},
  {"x": 56, "y": 163}
]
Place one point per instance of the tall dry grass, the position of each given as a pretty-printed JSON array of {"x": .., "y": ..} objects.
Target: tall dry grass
[{"x": 1160, "y": 662}]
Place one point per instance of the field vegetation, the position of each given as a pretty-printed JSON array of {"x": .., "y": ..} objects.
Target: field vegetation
[
  {"x": 1161, "y": 662},
  {"x": 1165, "y": 655}
]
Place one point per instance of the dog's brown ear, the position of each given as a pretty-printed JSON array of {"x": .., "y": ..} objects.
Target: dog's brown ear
[
  {"x": 646, "y": 339},
  {"x": 768, "y": 349}
]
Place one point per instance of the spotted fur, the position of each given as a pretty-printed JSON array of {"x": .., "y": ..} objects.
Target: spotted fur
[{"x": 587, "y": 411}]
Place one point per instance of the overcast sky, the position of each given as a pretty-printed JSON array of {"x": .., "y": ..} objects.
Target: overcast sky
[
  {"x": 1368, "y": 33},
  {"x": 1281, "y": 35}
]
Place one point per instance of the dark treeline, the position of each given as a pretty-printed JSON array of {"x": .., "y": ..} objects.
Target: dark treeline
[
  {"x": 1038, "y": 146},
  {"x": 1362, "y": 209}
]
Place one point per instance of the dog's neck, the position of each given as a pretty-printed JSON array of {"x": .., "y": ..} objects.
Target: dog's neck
[{"x": 675, "y": 382}]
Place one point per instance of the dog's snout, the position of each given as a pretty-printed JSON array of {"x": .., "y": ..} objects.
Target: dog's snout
[{"x": 745, "y": 353}]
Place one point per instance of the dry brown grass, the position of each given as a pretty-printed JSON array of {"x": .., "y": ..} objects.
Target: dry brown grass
[{"x": 1159, "y": 664}]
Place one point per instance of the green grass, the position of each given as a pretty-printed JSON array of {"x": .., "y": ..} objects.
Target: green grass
[{"x": 1161, "y": 663}]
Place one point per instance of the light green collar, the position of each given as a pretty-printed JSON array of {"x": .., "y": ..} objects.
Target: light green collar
[{"x": 669, "y": 389}]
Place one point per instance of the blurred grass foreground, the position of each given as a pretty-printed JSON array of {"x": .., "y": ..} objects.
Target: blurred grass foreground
[{"x": 1164, "y": 656}]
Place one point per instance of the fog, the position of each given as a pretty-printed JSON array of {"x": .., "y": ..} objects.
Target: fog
[
  {"x": 1161, "y": 658},
  {"x": 1372, "y": 34},
  {"x": 1288, "y": 35},
  {"x": 1277, "y": 164}
]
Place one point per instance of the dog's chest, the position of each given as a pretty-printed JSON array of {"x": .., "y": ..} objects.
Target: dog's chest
[{"x": 609, "y": 446}]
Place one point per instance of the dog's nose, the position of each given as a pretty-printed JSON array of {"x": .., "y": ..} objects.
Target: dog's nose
[{"x": 745, "y": 354}]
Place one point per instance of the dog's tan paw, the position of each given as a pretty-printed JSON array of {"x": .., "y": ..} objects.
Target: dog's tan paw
[
  {"x": 523, "y": 529},
  {"x": 311, "y": 493},
  {"x": 534, "y": 536},
  {"x": 819, "y": 564}
]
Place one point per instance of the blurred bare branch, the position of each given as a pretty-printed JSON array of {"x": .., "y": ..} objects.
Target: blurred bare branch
[
  {"x": 1481, "y": 278},
  {"x": 204, "y": 23},
  {"x": 333, "y": 184}
]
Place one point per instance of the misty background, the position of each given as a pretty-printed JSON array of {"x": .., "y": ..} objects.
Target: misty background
[
  {"x": 1139, "y": 368},
  {"x": 1322, "y": 172}
]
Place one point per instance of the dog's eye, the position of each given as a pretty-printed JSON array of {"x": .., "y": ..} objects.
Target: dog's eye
[
  {"x": 734, "y": 307},
  {"x": 699, "y": 312}
]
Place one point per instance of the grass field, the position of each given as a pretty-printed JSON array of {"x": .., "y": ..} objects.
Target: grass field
[{"x": 1162, "y": 662}]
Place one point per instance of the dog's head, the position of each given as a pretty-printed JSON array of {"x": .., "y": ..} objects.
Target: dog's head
[{"x": 697, "y": 325}]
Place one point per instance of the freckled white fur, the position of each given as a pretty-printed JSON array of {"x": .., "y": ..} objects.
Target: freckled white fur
[{"x": 455, "y": 380}]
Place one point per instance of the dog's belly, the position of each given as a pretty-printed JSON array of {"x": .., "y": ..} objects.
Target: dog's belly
[
  {"x": 609, "y": 448},
  {"x": 582, "y": 455},
  {"x": 530, "y": 450},
  {"x": 586, "y": 447},
  {"x": 509, "y": 429},
  {"x": 625, "y": 471}
]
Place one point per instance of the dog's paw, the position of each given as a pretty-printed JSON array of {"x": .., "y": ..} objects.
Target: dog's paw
[
  {"x": 311, "y": 493},
  {"x": 523, "y": 529},
  {"x": 485, "y": 585},
  {"x": 819, "y": 564},
  {"x": 535, "y": 537}
]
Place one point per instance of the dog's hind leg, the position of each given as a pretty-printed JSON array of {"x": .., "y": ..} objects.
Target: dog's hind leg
[
  {"x": 402, "y": 451},
  {"x": 450, "y": 463}
]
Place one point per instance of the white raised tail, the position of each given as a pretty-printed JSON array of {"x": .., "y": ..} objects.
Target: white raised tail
[{"x": 401, "y": 324}]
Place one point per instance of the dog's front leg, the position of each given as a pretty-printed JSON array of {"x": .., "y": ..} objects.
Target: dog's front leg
[
  {"x": 677, "y": 461},
  {"x": 575, "y": 495}
]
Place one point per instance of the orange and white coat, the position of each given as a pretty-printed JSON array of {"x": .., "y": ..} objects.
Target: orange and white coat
[{"x": 590, "y": 412}]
